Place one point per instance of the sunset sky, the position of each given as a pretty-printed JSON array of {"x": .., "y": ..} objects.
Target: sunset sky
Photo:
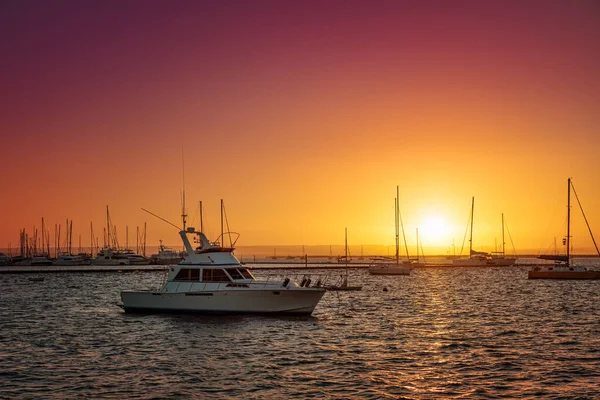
[{"x": 303, "y": 116}]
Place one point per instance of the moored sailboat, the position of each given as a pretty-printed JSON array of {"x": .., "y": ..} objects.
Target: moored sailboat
[
  {"x": 563, "y": 267},
  {"x": 482, "y": 258},
  {"x": 397, "y": 267}
]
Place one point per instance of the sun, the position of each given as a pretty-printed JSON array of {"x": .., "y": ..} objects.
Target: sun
[{"x": 434, "y": 230}]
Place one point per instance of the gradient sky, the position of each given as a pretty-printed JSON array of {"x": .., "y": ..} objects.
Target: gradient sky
[{"x": 303, "y": 116}]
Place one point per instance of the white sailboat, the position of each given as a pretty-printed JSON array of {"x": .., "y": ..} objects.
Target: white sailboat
[
  {"x": 563, "y": 268},
  {"x": 481, "y": 258},
  {"x": 500, "y": 258},
  {"x": 397, "y": 267},
  {"x": 210, "y": 279}
]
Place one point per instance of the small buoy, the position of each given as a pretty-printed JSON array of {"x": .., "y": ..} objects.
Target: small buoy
[{"x": 385, "y": 289}]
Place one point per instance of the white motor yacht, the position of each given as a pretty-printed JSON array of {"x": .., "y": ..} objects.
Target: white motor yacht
[
  {"x": 210, "y": 279},
  {"x": 108, "y": 256},
  {"x": 165, "y": 256},
  {"x": 136, "y": 259},
  {"x": 70, "y": 259}
]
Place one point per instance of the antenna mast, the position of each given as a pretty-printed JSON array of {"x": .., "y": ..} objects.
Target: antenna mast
[
  {"x": 222, "y": 238},
  {"x": 183, "y": 214},
  {"x": 201, "y": 219},
  {"x": 568, "y": 219}
]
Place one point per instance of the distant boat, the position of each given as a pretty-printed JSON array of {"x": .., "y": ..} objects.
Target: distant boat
[
  {"x": 109, "y": 256},
  {"x": 388, "y": 267},
  {"x": 482, "y": 258},
  {"x": 135, "y": 259},
  {"x": 69, "y": 259},
  {"x": 417, "y": 261},
  {"x": 39, "y": 261},
  {"x": 165, "y": 256},
  {"x": 562, "y": 268},
  {"x": 343, "y": 285},
  {"x": 4, "y": 259}
]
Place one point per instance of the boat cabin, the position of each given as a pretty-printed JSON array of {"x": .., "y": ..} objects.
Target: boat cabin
[{"x": 185, "y": 274}]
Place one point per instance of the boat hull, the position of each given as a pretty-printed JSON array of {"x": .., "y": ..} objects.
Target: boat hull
[{"x": 286, "y": 301}]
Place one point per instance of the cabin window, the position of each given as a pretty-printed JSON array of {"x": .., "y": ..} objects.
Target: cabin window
[
  {"x": 188, "y": 274},
  {"x": 234, "y": 273},
  {"x": 246, "y": 274},
  {"x": 195, "y": 274},
  {"x": 214, "y": 275}
]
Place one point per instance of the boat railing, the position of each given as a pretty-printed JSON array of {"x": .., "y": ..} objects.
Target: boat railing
[
  {"x": 302, "y": 279},
  {"x": 268, "y": 281}
]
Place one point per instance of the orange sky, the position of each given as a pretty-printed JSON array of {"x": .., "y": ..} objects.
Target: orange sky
[{"x": 303, "y": 117}]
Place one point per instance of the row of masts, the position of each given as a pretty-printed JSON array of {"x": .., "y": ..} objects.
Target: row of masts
[{"x": 39, "y": 244}]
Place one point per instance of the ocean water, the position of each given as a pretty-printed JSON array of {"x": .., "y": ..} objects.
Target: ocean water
[{"x": 440, "y": 333}]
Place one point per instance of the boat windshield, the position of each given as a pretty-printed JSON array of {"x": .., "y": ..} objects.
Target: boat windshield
[
  {"x": 246, "y": 273},
  {"x": 215, "y": 275},
  {"x": 234, "y": 273}
]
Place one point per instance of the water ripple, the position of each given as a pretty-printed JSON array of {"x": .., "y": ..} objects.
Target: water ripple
[{"x": 437, "y": 334}]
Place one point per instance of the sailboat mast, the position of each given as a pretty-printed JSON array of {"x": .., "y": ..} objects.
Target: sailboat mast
[
  {"x": 401, "y": 224},
  {"x": 471, "y": 230},
  {"x": 108, "y": 242},
  {"x": 183, "y": 214},
  {"x": 397, "y": 231},
  {"x": 568, "y": 220},
  {"x": 222, "y": 238},
  {"x": 503, "y": 244},
  {"x": 43, "y": 234},
  {"x": 346, "y": 250},
  {"x": 417, "y": 244}
]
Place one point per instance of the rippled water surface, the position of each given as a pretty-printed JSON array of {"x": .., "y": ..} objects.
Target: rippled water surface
[{"x": 438, "y": 333}]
